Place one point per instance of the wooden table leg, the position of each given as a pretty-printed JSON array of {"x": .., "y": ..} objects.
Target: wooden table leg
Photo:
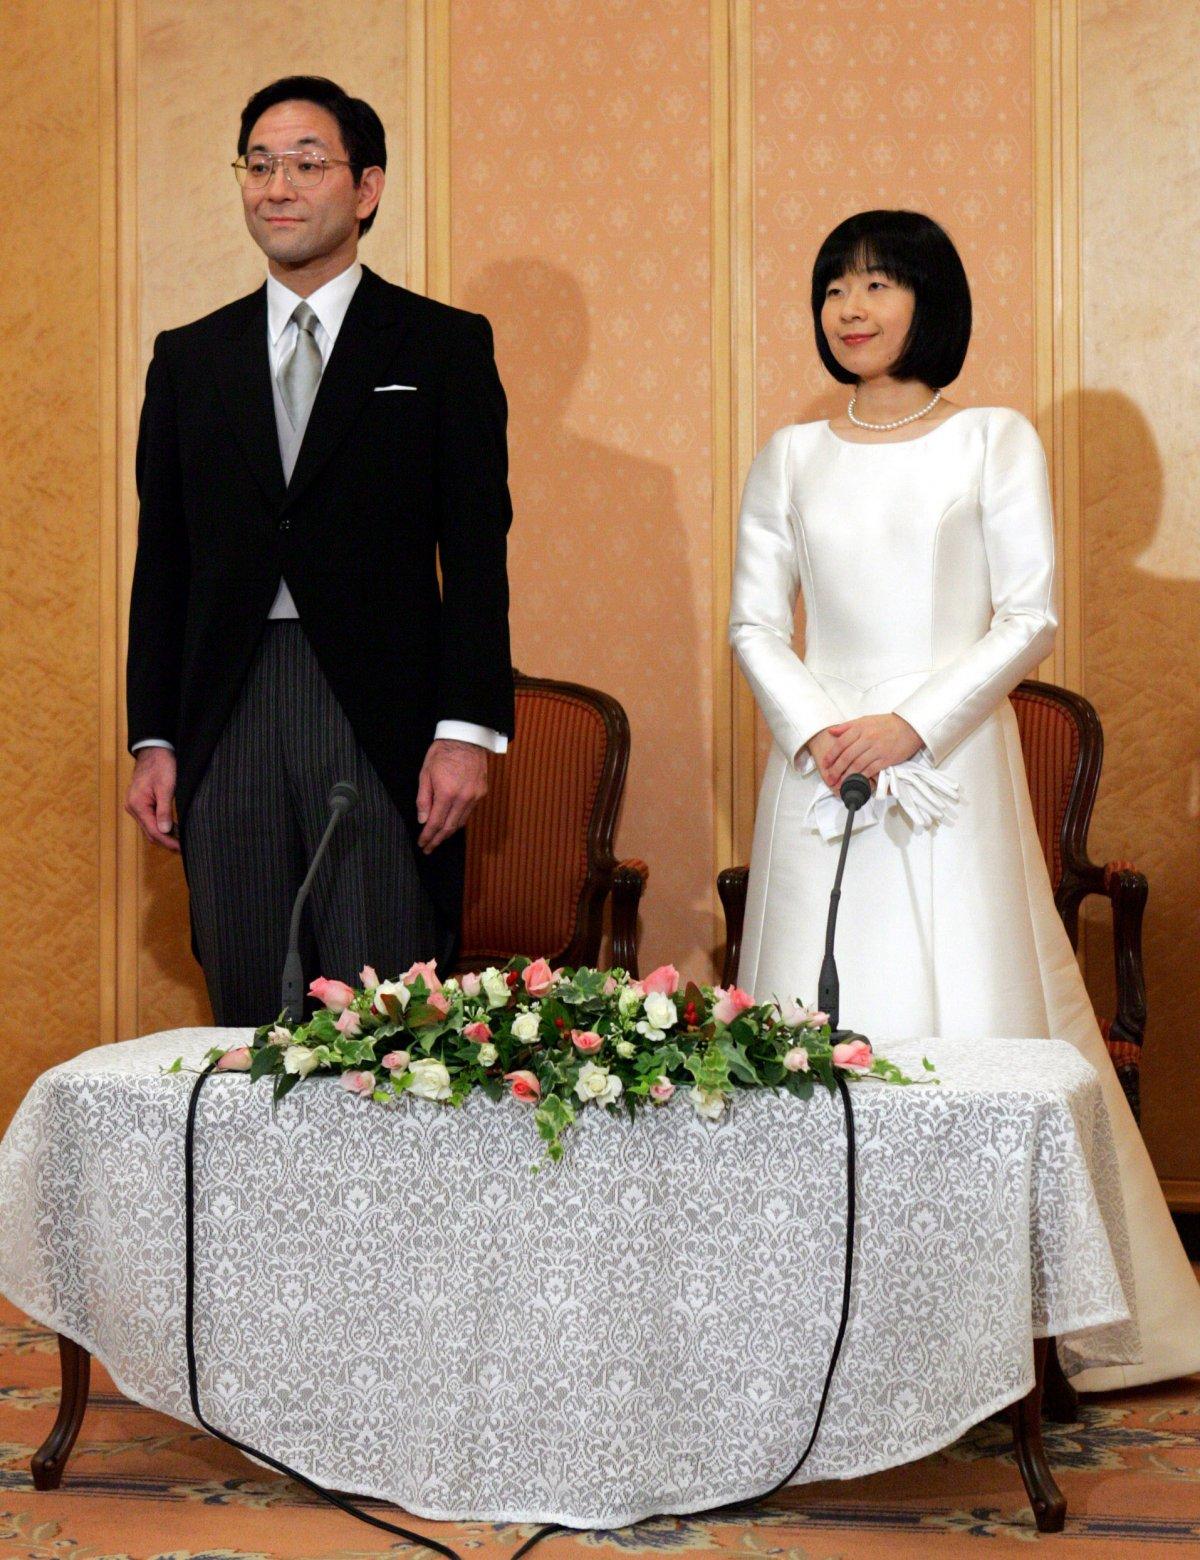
[
  {"x": 1049, "y": 1505},
  {"x": 1060, "y": 1401},
  {"x": 50, "y": 1459}
]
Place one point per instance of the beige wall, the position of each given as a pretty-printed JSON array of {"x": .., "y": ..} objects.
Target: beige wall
[
  {"x": 54, "y": 962},
  {"x": 1141, "y": 515},
  {"x": 634, "y": 193}
]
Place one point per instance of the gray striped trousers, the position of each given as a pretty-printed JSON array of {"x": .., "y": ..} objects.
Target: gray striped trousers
[{"x": 255, "y": 821}]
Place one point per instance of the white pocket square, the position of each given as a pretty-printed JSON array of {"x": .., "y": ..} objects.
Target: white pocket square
[{"x": 378, "y": 388}]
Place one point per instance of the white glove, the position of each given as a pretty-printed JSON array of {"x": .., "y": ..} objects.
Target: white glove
[{"x": 922, "y": 793}]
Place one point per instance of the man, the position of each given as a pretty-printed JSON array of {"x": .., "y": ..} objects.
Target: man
[{"x": 307, "y": 457}]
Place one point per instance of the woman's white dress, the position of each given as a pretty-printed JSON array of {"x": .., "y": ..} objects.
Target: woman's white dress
[{"x": 927, "y": 574}]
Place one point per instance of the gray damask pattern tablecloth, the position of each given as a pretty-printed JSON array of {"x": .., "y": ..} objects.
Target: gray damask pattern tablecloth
[{"x": 392, "y": 1302}]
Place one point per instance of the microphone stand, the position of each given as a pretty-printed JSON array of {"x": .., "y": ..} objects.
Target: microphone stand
[
  {"x": 855, "y": 791},
  {"x": 342, "y": 798}
]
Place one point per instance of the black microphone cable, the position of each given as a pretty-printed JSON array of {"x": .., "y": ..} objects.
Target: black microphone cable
[{"x": 189, "y": 1184}]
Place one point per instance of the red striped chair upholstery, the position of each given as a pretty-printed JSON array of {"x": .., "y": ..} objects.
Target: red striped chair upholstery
[
  {"x": 540, "y": 863},
  {"x": 1064, "y": 747}
]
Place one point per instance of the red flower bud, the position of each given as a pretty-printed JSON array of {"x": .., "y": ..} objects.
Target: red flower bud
[
  {"x": 512, "y": 978},
  {"x": 560, "y": 1023}
]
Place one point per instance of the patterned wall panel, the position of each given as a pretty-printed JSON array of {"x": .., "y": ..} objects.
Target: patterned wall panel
[
  {"x": 1141, "y": 500},
  {"x": 924, "y": 106},
  {"x": 197, "y": 65},
  {"x": 49, "y": 528},
  {"x": 580, "y": 201}
]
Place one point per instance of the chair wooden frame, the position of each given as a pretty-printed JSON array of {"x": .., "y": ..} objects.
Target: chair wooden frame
[{"x": 624, "y": 880}]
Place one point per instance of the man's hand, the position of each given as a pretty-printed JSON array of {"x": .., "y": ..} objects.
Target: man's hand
[
  {"x": 867, "y": 745},
  {"x": 453, "y": 781},
  {"x": 151, "y": 793}
]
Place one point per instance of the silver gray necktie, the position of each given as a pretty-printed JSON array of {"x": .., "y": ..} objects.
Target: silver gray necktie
[{"x": 300, "y": 374}]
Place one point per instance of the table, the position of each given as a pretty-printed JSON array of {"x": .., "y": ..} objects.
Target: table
[{"x": 392, "y": 1302}]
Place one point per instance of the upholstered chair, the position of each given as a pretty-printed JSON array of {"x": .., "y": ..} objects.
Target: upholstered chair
[{"x": 540, "y": 863}]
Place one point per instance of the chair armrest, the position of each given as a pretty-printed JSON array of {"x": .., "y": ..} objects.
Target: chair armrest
[
  {"x": 1127, "y": 890},
  {"x": 731, "y": 886},
  {"x": 629, "y": 881}
]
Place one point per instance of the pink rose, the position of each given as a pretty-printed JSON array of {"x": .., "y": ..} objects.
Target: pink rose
[
  {"x": 524, "y": 1086},
  {"x": 236, "y": 1060},
  {"x": 472, "y": 983},
  {"x": 796, "y": 1059},
  {"x": 395, "y": 1061},
  {"x": 349, "y": 1023},
  {"x": 853, "y": 1055},
  {"x": 367, "y": 976},
  {"x": 479, "y": 1032},
  {"x": 438, "y": 1003},
  {"x": 427, "y": 972},
  {"x": 359, "y": 1082},
  {"x": 661, "y": 1090},
  {"x": 610, "y": 985},
  {"x": 730, "y": 1003},
  {"x": 538, "y": 978},
  {"x": 665, "y": 979},
  {"x": 335, "y": 994},
  {"x": 586, "y": 1040}
]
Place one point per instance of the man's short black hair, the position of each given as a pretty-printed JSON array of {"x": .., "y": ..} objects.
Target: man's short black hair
[
  {"x": 360, "y": 126},
  {"x": 913, "y": 251}
]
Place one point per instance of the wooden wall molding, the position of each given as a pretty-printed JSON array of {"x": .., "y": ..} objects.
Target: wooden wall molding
[
  {"x": 1057, "y": 296},
  {"x": 733, "y": 380},
  {"x": 120, "y": 399}
]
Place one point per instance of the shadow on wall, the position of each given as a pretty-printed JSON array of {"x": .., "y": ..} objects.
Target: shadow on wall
[
  {"x": 604, "y": 591},
  {"x": 1141, "y": 624}
]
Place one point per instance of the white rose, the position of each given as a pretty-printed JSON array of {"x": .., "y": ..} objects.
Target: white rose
[
  {"x": 300, "y": 1059},
  {"x": 280, "y": 1036},
  {"x": 525, "y": 1026},
  {"x": 390, "y": 988},
  {"x": 430, "y": 1079},
  {"x": 495, "y": 986},
  {"x": 625, "y": 1048},
  {"x": 648, "y": 1029},
  {"x": 660, "y": 1010},
  {"x": 597, "y": 1083},
  {"x": 707, "y": 1103},
  {"x": 487, "y": 1054},
  {"x": 628, "y": 1001}
]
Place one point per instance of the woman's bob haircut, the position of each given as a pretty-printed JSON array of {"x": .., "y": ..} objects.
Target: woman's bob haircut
[{"x": 912, "y": 251}]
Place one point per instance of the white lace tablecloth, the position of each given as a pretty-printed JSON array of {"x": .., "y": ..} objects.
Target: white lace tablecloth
[{"x": 391, "y": 1302}]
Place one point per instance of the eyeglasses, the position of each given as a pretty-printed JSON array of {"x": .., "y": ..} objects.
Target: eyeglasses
[{"x": 302, "y": 170}]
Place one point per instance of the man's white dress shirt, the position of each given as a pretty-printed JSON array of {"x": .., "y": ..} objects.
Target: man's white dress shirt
[{"x": 329, "y": 303}]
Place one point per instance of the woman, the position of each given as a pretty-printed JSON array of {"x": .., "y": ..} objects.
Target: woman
[{"x": 920, "y": 533}]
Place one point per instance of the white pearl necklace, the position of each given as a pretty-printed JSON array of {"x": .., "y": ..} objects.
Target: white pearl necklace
[{"x": 900, "y": 421}]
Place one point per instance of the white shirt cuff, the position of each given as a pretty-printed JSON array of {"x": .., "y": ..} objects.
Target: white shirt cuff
[
  {"x": 464, "y": 731},
  {"x": 153, "y": 742}
]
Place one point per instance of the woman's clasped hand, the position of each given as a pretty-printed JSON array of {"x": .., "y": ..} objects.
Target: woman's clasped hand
[{"x": 863, "y": 746}]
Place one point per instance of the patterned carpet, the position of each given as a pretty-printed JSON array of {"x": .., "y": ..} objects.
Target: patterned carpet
[{"x": 140, "y": 1486}]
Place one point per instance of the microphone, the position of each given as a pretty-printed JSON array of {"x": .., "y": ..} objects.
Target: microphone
[
  {"x": 343, "y": 797},
  {"x": 855, "y": 792}
]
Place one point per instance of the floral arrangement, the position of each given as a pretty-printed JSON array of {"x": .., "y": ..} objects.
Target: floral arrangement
[{"x": 558, "y": 1040}]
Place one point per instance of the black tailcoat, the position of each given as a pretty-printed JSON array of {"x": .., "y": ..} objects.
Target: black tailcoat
[{"x": 387, "y": 485}]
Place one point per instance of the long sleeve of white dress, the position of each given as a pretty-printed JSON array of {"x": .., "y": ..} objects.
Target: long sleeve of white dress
[
  {"x": 1018, "y": 534},
  {"x": 766, "y": 583}
]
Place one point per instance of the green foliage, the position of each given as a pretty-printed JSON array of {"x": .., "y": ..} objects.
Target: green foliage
[{"x": 693, "y": 1050}]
